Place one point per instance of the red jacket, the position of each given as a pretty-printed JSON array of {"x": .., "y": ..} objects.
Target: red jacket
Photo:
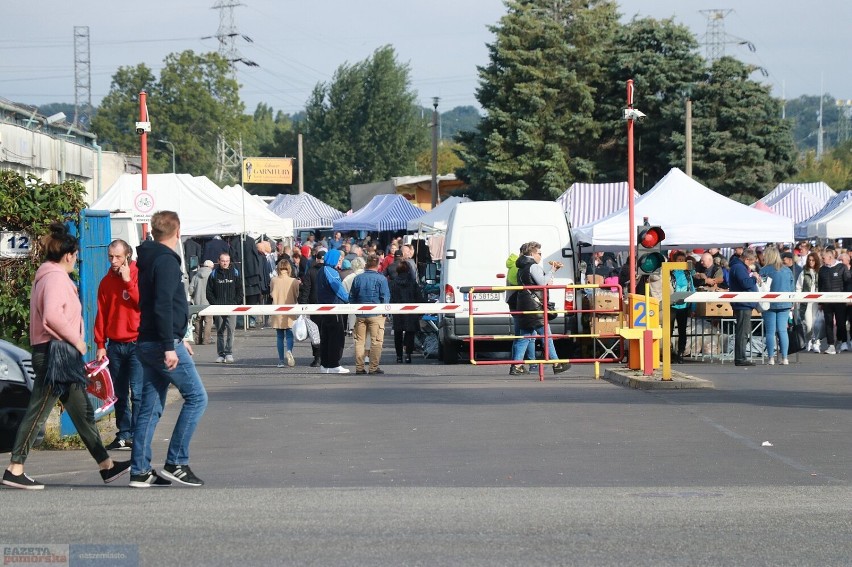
[{"x": 118, "y": 308}]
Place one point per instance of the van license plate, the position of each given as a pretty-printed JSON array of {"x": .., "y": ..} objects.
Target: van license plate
[{"x": 486, "y": 296}]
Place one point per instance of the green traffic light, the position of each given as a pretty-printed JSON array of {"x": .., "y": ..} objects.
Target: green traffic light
[{"x": 651, "y": 262}]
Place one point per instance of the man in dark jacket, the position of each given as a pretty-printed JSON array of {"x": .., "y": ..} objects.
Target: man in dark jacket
[
  {"x": 741, "y": 279},
  {"x": 308, "y": 295},
  {"x": 225, "y": 288},
  {"x": 166, "y": 358}
]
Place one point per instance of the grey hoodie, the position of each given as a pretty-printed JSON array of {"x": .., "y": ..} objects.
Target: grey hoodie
[{"x": 198, "y": 286}]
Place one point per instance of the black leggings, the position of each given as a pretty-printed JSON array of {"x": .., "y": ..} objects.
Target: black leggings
[
  {"x": 835, "y": 318},
  {"x": 403, "y": 337},
  {"x": 680, "y": 317}
]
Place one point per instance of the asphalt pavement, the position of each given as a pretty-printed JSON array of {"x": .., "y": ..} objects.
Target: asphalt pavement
[{"x": 465, "y": 465}]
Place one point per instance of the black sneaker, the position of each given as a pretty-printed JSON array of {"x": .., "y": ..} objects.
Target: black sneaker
[
  {"x": 182, "y": 474},
  {"x": 360, "y": 372},
  {"x": 559, "y": 368},
  {"x": 150, "y": 478},
  {"x": 517, "y": 370},
  {"x": 21, "y": 481},
  {"x": 120, "y": 445},
  {"x": 377, "y": 371},
  {"x": 118, "y": 468}
]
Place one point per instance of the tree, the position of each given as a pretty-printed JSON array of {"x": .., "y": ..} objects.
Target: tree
[
  {"x": 659, "y": 55},
  {"x": 194, "y": 101},
  {"x": 535, "y": 91},
  {"x": 448, "y": 159},
  {"x": 835, "y": 168},
  {"x": 362, "y": 127},
  {"x": 804, "y": 113},
  {"x": 459, "y": 119},
  {"x": 741, "y": 146},
  {"x": 29, "y": 205}
]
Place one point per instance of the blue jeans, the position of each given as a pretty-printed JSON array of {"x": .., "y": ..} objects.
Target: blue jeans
[
  {"x": 522, "y": 345},
  {"x": 126, "y": 372},
  {"x": 530, "y": 355},
  {"x": 155, "y": 383},
  {"x": 225, "y": 325},
  {"x": 776, "y": 322},
  {"x": 280, "y": 336}
]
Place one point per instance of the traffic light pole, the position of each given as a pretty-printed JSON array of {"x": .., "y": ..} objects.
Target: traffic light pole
[{"x": 630, "y": 185}]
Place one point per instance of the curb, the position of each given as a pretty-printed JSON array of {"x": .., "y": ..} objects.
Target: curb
[{"x": 635, "y": 379}]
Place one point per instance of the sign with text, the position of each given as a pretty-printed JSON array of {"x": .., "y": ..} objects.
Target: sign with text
[
  {"x": 143, "y": 206},
  {"x": 14, "y": 244},
  {"x": 268, "y": 170}
]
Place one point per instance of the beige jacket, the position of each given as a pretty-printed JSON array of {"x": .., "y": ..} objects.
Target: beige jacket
[{"x": 284, "y": 291}]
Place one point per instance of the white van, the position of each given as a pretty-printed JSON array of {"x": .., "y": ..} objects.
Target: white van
[{"x": 480, "y": 237}]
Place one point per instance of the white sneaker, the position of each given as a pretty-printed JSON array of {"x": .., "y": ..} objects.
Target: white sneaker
[
  {"x": 323, "y": 370},
  {"x": 229, "y": 359},
  {"x": 290, "y": 360},
  {"x": 770, "y": 361},
  {"x": 817, "y": 345},
  {"x": 844, "y": 347},
  {"x": 785, "y": 362},
  {"x": 830, "y": 350},
  {"x": 220, "y": 360},
  {"x": 337, "y": 370}
]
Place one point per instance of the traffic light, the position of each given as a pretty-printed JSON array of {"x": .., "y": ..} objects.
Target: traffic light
[{"x": 649, "y": 257}]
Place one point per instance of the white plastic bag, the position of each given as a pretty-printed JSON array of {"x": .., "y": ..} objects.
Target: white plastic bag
[
  {"x": 765, "y": 287},
  {"x": 300, "y": 329}
]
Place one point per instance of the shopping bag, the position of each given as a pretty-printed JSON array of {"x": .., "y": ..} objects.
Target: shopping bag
[
  {"x": 764, "y": 287},
  {"x": 796, "y": 332},
  {"x": 99, "y": 384},
  {"x": 300, "y": 329}
]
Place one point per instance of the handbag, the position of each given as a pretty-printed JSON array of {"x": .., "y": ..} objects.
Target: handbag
[
  {"x": 65, "y": 368},
  {"x": 551, "y": 307},
  {"x": 300, "y": 329},
  {"x": 796, "y": 334}
]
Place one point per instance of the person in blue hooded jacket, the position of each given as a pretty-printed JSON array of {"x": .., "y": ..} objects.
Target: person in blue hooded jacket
[
  {"x": 333, "y": 327},
  {"x": 775, "y": 318},
  {"x": 741, "y": 279}
]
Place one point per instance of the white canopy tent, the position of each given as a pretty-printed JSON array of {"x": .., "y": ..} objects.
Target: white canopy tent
[
  {"x": 837, "y": 206},
  {"x": 203, "y": 207},
  {"x": 436, "y": 219},
  {"x": 833, "y": 224},
  {"x": 691, "y": 215},
  {"x": 584, "y": 203}
]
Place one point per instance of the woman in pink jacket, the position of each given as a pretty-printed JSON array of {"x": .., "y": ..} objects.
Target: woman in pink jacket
[{"x": 56, "y": 336}]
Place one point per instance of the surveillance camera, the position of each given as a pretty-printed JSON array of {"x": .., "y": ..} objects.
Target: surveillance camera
[
  {"x": 142, "y": 127},
  {"x": 633, "y": 114}
]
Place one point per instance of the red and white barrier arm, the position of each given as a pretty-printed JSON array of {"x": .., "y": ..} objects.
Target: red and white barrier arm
[
  {"x": 335, "y": 309},
  {"x": 770, "y": 297}
]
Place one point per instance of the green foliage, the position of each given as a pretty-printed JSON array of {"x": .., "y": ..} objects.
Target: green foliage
[
  {"x": 29, "y": 205},
  {"x": 741, "y": 146},
  {"x": 539, "y": 102},
  {"x": 659, "y": 55},
  {"x": 804, "y": 114},
  {"x": 194, "y": 101},
  {"x": 361, "y": 127},
  {"x": 459, "y": 119},
  {"x": 448, "y": 159},
  {"x": 835, "y": 168}
]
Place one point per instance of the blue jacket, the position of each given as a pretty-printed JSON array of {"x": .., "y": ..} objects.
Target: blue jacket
[
  {"x": 782, "y": 281},
  {"x": 369, "y": 287},
  {"x": 329, "y": 286},
  {"x": 741, "y": 280}
]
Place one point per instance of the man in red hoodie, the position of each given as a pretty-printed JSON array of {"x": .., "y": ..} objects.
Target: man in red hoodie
[{"x": 116, "y": 331}]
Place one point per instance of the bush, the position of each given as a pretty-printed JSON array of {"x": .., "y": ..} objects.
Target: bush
[{"x": 29, "y": 205}]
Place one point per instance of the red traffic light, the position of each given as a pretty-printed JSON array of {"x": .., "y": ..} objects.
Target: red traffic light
[{"x": 651, "y": 237}]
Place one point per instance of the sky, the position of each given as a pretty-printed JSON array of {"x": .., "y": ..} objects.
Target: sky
[{"x": 804, "y": 46}]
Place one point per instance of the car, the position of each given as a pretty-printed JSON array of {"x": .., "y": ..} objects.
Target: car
[{"x": 16, "y": 385}]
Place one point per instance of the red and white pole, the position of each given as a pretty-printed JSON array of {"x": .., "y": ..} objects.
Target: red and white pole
[
  {"x": 143, "y": 117},
  {"x": 630, "y": 184}
]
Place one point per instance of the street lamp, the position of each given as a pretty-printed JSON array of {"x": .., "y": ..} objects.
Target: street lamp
[{"x": 172, "y": 146}]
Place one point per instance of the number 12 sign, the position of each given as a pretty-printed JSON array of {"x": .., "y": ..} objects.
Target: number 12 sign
[{"x": 14, "y": 244}]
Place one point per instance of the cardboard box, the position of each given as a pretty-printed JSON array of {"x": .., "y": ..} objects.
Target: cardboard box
[
  {"x": 604, "y": 325},
  {"x": 606, "y": 301},
  {"x": 720, "y": 309}
]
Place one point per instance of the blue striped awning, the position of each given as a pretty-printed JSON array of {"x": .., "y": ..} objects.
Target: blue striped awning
[
  {"x": 818, "y": 189},
  {"x": 307, "y": 211},
  {"x": 585, "y": 203},
  {"x": 797, "y": 204},
  {"x": 382, "y": 213},
  {"x": 803, "y": 229}
]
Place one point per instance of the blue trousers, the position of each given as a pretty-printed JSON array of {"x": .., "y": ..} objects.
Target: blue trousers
[{"x": 126, "y": 372}]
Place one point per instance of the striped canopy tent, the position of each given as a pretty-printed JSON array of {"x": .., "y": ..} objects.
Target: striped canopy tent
[
  {"x": 382, "y": 213},
  {"x": 807, "y": 228},
  {"x": 307, "y": 211},
  {"x": 818, "y": 189},
  {"x": 762, "y": 207},
  {"x": 796, "y": 204},
  {"x": 585, "y": 203}
]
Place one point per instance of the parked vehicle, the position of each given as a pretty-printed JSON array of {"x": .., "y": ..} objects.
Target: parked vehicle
[
  {"x": 480, "y": 237},
  {"x": 16, "y": 385}
]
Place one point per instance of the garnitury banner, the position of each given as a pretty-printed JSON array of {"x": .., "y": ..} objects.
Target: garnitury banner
[{"x": 268, "y": 170}]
